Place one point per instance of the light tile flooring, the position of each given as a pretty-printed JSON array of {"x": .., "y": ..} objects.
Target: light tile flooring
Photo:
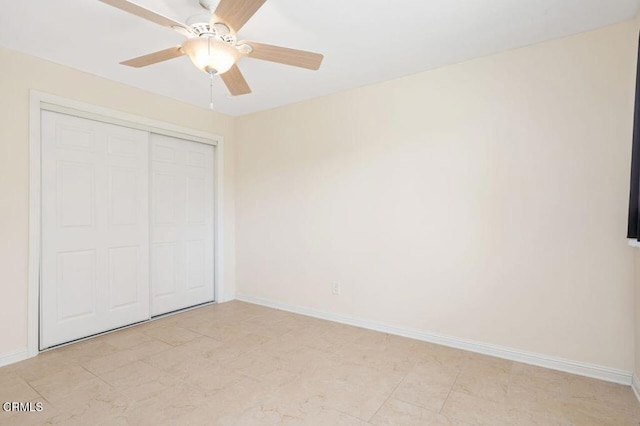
[{"x": 241, "y": 364}]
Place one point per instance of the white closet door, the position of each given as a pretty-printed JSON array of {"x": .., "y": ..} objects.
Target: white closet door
[
  {"x": 95, "y": 228},
  {"x": 181, "y": 224}
]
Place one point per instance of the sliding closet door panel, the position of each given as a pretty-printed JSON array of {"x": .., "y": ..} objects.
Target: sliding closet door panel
[
  {"x": 95, "y": 228},
  {"x": 181, "y": 224}
]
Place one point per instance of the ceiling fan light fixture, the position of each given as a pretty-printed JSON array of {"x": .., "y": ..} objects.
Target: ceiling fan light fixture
[
  {"x": 212, "y": 43},
  {"x": 210, "y": 55}
]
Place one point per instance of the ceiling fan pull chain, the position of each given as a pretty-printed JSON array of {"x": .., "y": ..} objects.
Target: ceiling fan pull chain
[
  {"x": 210, "y": 76},
  {"x": 210, "y": 90}
]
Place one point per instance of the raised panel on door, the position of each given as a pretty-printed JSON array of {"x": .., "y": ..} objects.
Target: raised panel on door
[
  {"x": 195, "y": 254},
  {"x": 76, "y": 190},
  {"x": 165, "y": 274},
  {"x": 182, "y": 219},
  {"x": 124, "y": 269},
  {"x": 123, "y": 196},
  {"x": 165, "y": 187},
  {"x": 76, "y": 277},
  {"x": 95, "y": 274}
]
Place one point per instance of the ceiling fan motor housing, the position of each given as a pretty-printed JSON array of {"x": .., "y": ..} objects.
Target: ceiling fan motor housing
[{"x": 200, "y": 25}]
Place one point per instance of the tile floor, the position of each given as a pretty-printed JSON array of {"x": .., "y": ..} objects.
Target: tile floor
[{"x": 241, "y": 364}]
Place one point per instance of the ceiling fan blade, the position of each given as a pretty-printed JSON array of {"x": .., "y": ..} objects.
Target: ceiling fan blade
[
  {"x": 155, "y": 57},
  {"x": 144, "y": 13},
  {"x": 235, "y": 82},
  {"x": 236, "y": 13},
  {"x": 284, "y": 55}
]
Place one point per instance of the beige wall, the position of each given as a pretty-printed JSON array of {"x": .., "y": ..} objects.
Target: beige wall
[
  {"x": 19, "y": 74},
  {"x": 484, "y": 200}
]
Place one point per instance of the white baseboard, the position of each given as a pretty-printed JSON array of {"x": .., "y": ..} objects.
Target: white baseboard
[
  {"x": 15, "y": 356},
  {"x": 635, "y": 385},
  {"x": 574, "y": 367}
]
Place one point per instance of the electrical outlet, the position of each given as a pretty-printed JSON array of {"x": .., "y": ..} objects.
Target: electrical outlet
[{"x": 335, "y": 288}]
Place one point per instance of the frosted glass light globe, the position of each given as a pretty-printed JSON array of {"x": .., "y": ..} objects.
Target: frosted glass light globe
[{"x": 211, "y": 55}]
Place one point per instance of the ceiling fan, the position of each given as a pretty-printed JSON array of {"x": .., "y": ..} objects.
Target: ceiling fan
[{"x": 212, "y": 44}]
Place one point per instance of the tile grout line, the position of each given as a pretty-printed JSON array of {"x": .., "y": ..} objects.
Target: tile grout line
[
  {"x": 392, "y": 392},
  {"x": 100, "y": 378},
  {"x": 506, "y": 396},
  {"x": 450, "y": 390},
  {"x": 34, "y": 389}
]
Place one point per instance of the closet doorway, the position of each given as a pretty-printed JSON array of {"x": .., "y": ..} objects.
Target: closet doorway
[{"x": 128, "y": 226}]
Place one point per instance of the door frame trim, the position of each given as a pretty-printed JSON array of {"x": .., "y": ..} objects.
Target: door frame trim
[{"x": 39, "y": 101}]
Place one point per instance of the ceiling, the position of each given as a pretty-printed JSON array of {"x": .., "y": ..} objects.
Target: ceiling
[{"x": 364, "y": 41}]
